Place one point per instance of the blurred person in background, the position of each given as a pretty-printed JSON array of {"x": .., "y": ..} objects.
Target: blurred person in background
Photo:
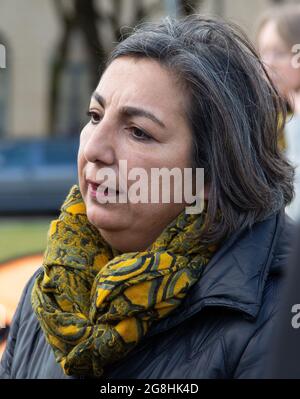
[
  {"x": 146, "y": 290},
  {"x": 278, "y": 40}
]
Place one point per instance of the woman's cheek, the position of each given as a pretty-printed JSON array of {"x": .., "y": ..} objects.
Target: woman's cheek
[
  {"x": 81, "y": 161},
  {"x": 82, "y": 141},
  {"x": 84, "y": 135},
  {"x": 293, "y": 78}
]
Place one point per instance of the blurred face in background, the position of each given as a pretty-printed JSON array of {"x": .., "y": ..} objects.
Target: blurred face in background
[
  {"x": 117, "y": 131},
  {"x": 277, "y": 56}
]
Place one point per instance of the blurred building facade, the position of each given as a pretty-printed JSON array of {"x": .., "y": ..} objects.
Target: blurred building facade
[{"x": 31, "y": 30}]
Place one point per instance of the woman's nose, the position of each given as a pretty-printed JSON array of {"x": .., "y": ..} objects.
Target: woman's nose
[{"x": 99, "y": 146}]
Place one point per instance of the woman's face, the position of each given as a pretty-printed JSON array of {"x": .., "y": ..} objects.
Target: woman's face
[
  {"x": 137, "y": 115},
  {"x": 277, "y": 56}
]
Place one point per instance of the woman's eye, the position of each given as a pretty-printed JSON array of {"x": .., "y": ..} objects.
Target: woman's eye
[
  {"x": 139, "y": 134},
  {"x": 95, "y": 117}
]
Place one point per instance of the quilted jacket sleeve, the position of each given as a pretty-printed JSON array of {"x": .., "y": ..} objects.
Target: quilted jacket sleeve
[{"x": 255, "y": 358}]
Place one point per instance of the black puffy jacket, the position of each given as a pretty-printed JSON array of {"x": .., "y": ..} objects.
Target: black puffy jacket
[{"x": 221, "y": 330}]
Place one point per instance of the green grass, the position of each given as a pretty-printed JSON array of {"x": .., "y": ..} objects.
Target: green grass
[{"x": 22, "y": 237}]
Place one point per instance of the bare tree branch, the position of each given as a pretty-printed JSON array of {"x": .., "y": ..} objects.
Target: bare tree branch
[
  {"x": 188, "y": 7},
  {"x": 86, "y": 19},
  {"x": 59, "y": 62}
]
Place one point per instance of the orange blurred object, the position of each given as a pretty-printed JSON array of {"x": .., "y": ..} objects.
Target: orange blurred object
[{"x": 14, "y": 275}]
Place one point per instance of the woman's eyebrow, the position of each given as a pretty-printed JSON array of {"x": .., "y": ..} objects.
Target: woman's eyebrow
[
  {"x": 131, "y": 111},
  {"x": 99, "y": 99}
]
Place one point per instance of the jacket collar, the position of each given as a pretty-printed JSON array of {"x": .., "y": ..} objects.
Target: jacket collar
[{"x": 235, "y": 277}]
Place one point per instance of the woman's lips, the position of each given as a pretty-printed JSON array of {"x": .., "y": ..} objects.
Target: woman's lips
[
  {"x": 97, "y": 193},
  {"x": 92, "y": 187}
]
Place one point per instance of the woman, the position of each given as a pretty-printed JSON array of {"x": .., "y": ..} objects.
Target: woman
[
  {"x": 147, "y": 290},
  {"x": 278, "y": 39}
]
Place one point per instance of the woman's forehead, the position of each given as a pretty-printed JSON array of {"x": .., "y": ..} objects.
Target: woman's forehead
[{"x": 140, "y": 83}]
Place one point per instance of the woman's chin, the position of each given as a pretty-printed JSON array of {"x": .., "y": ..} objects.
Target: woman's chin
[{"x": 104, "y": 217}]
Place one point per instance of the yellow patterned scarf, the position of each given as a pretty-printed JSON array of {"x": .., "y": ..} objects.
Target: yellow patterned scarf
[{"x": 95, "y": 304}]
